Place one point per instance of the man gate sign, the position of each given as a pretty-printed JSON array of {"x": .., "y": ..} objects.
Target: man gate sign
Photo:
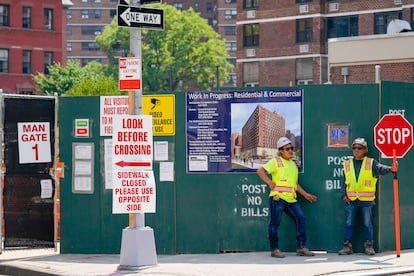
[{"x": 393, "y": 131}]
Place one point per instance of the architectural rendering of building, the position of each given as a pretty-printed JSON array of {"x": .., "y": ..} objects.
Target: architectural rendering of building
[{"x": 261, "y": 132}]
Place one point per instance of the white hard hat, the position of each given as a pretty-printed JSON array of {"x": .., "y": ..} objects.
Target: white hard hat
[
  {"x": 282, "y": 142},
  {"x": 360, "y": 141}
]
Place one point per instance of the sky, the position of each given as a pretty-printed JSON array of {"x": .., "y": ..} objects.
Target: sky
[{"x": 240, "y": 112}]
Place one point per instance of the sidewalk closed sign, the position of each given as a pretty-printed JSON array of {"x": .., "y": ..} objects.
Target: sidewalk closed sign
[
  {"x": 34, "y": 142},
  {"x": 132, "y": 155}
]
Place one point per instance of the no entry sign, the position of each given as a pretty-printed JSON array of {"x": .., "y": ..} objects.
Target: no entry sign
[
  {"x": 393, "y": 132},
  {"x": 34, "y": 142}
]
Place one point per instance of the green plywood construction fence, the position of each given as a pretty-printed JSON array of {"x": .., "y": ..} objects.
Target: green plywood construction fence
[{"x": 227, "y": 212}]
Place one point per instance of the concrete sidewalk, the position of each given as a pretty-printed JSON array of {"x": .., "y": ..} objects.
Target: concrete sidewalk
[{"x": 49, "y": 262}]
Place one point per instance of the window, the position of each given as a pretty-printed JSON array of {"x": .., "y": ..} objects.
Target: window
[
  {"x": 250, "y": 4},
  {"x": 90, "y": 46},
  {"x": 382, "y": 19},
  {"x": 69, "y": 13},
  {"x": 27, "y": 62},
  {"x": 304, "y": 71},
  {"x": 196, "y": 7},
  {"x": 27, "y": 17},
  {"x": 91, "y": 30},
  {"x": 68, "y": 30},
  {"x": 69, "y": 46},
  {"x": 178, "y": 6},
  {"x": 251, "y": 35},
  {"x": 4, "y": 15},
  {"x": 112, "y": 13},
  {"x": 250, "y": 73},
  {"x": 47, "y": 60},
  {"x": 230, "y": 14},
  {"x": 230, "y": 30},
  {"x": 231, "y": 46},
  {"x": 4, "y": 61},
  {"x": 303, "y": 1},
  {"x": 343, "y": 26},
  {"x": 304, "y": 30},
  {"x": 48, "y": 19},
  {"x": 210, "y": 7}
]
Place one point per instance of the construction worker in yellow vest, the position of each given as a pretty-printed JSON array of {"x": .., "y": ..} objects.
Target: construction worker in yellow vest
[
  {"x": 282, "y": 197},
  {"x": 360, "y": 179}
]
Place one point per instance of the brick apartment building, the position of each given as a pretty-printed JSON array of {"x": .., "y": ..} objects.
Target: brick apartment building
[
  {"x": 286, "y": 42},
  {"x": 31, "y": 38},
  {"x": 87, "y": 19}
]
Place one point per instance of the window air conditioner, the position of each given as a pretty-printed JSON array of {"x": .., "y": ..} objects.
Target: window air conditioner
[
  {"x": 85, "y": 16},
  {"x": 251, "y": 52},
  {"x": 333, "y": 7},
  {"x": 303, "y": 8},
  {"x": 251, "y": 14}
]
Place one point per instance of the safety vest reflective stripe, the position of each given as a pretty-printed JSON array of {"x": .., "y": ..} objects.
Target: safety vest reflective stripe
[
  {"x": 368, "y": 164},
  {"x": 360, "y": 194},
  {"x": 284, "y": 189},
  {"x": 279, "y": 162},
  {"x": 347, "y": 165}
]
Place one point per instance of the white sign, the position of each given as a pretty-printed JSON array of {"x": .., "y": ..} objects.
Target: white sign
[
  {"x": 132, "y": 142},
  {"x": 132, "y": 155},
  {"x": 134, "y": 192},
  {"x": 109, "y": 107},
  {"x": 130, "y": 73},
  {"x": 34, "y": 142}
]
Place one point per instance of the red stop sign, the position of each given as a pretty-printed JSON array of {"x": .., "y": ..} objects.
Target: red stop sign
[{"x": 393, "y": 131}]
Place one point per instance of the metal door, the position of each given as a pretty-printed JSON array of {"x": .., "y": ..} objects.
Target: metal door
[{"x": 28, "y": 188}]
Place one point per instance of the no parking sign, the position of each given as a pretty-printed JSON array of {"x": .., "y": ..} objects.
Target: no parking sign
[{"x": 34, "y": 142}]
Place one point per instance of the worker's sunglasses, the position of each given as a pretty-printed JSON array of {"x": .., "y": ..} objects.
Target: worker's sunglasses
[
  {"x": 357, "y": 148},
  {"x": 288, "y": 148}
]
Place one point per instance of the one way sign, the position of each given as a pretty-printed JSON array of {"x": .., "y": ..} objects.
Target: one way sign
[
  {"x": 142, "y": 2},
  {"x": 134, "y": 17}
]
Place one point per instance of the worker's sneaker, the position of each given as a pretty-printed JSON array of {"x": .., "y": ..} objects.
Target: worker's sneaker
[
  {"x": 347, "y": 249},
  {"x": 369, "y": 248},
  {"x": 303, "y": 251},
  {"x": 277, "y": 253}
]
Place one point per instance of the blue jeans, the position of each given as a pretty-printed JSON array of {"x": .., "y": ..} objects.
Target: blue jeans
[
  {"x": 350, "y": 215},
  {"x": 294, "y": 211}
]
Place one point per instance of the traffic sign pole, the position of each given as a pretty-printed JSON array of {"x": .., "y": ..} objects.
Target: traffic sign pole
[
  {"x": 393, "y": 136},
  {"x": 396, "y": 206},
  {"x": 138, "y": 242}
]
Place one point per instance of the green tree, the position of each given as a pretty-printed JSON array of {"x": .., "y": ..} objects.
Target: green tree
[
  {"x": 92, "y": 80},
  {"x": 187, "y": 54},
  {"x": 100, "y": 86}
]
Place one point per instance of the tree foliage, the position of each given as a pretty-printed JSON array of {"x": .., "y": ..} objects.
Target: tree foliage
[
  {"x": 73, "y": 79},
  {"x": 187, "y": 54}
]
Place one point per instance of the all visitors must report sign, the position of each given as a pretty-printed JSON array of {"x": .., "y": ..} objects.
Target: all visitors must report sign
[{"x": 132, "y": 155}]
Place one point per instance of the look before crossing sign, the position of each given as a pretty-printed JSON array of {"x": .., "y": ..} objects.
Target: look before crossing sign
[{"x": 132, "y": 155}]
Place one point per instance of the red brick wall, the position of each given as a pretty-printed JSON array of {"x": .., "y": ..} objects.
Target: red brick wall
[{"x": 366, "y": 73}]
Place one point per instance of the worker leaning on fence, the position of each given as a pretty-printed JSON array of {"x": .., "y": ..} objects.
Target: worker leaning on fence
[
  {"x": 282, "y": 198},
  {"x": 359, "y": 187}
]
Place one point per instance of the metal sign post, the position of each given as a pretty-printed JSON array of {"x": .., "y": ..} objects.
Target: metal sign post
[{"x": 138, "y": 242}]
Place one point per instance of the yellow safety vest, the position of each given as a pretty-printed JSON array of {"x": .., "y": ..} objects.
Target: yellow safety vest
[
  {"x": 285, "y": 179},
  {"x": 365, "y": 188}
]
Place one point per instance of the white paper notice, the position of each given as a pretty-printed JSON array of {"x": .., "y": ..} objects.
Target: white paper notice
[
  {"x": 166, "y": 171},
  {"x": 160, "y": 150},
  {"x": 46, "y": 188},
  {"x": 108, "y": 164}
]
